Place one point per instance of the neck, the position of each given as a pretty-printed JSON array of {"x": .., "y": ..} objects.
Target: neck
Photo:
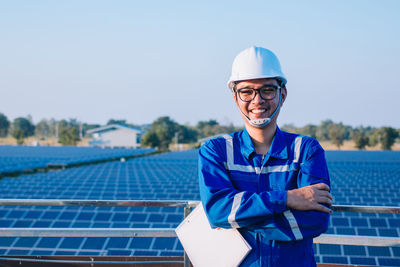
[{"x": 262, "y": 138}]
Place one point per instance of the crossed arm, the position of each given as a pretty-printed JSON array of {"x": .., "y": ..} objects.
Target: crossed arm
[{"x": 311, "y": 197}]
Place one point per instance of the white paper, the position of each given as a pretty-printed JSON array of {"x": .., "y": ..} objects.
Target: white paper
[{"x": 207, "y": 247}]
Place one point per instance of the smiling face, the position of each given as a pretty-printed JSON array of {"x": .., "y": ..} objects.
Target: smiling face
[{"x": 258, "y": 108}]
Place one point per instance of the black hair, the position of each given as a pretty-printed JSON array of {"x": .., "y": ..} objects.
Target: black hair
[{"x": 280, "y": 81}]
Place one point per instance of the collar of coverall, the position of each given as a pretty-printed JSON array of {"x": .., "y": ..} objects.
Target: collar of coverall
[{"x": 278, "y": 147}]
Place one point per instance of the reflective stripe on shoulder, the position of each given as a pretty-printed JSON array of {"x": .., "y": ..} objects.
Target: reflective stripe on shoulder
[
  {"x": 235, "y": 206},
  {"x": 293, "y": 224},
  {"x": 229, "y": 149},
  {"x": 297, "y": 146},
  {"x": 230, "y": 165}
]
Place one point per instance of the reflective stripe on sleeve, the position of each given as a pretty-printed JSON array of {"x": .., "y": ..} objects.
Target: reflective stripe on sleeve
[
  {"x": 288, "y": 214},
  {"x": 293, "y": 224},
  {"x": 235, "y": 206}
]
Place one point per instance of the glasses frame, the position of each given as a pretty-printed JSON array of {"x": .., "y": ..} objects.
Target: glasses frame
[{"x": 237, "y": 91}]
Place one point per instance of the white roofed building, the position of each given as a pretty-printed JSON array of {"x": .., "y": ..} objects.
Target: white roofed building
[{"x": 115, "y": 135}]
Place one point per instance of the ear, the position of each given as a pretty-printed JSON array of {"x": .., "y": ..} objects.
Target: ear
[
  {"x": 284, "y": 94},
  {"x": 234, "y": 97}
]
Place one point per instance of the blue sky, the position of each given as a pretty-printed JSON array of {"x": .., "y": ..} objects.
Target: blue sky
[{"x": 139, "y": 60}]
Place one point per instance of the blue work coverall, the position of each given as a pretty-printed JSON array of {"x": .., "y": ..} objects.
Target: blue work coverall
[{"x": 242, "y": 189}]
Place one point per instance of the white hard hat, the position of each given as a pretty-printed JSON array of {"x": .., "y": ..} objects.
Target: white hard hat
[{"x": 255, "y": 63}]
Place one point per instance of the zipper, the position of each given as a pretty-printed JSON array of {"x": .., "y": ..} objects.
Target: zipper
[
  {"x": 262, "y": 165},
  {"x": 264, "y": 259},
  {"x": 259, "y": 174}
]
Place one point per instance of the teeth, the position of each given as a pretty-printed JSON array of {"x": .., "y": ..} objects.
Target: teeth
[{"x": 258, "y": 110}]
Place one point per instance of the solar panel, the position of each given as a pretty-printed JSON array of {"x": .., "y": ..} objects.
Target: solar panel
[
  {"x": 358, "y": 177},
  {"x": 20, "y": 158}
]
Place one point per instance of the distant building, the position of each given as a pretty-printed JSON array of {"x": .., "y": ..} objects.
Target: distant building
[{"x": 115, "y": 135}]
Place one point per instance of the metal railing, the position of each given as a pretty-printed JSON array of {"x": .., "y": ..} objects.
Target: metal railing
[
  {"x": 170, "y": 232},
  {"x": 354, "y": 240}
]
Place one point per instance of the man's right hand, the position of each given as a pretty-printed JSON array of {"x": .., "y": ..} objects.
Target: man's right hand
[{"x": 310, "y": 198}]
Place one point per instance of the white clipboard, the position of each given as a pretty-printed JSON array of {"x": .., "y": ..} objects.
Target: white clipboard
[{"x": 207, "y": 247}]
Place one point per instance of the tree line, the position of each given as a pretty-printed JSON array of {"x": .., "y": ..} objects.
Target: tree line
[
  {"x": 337, "y": 133},
  {"x": 164, "y": 131},
  {"x": 68, "y": 132},
  {"x": 161, "y": 133}
]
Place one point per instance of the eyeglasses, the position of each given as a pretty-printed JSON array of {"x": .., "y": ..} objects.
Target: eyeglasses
[{"x": 267, "y": 92}]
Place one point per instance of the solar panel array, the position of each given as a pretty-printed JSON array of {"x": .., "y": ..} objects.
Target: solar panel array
[
  {"x": 364, "y": 178},
  {"x": 20, "y": 158},
  {"x": 361, "y": 178}
]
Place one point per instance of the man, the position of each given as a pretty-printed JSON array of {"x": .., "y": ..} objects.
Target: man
[{"x": 271, "y": 185}]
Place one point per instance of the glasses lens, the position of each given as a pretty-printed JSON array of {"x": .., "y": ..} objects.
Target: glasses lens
[
  {"x": 269, "y": 92},
  {"x": 246, "y": 94}
]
